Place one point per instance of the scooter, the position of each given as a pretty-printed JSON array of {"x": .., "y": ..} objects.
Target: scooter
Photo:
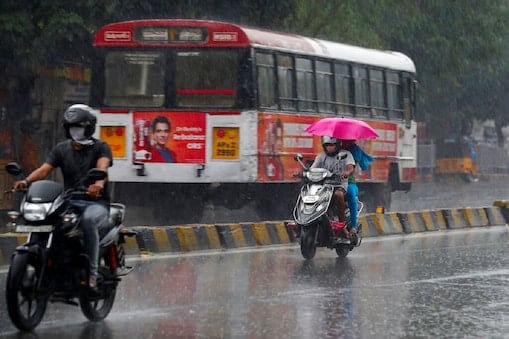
[
  {"x": 51, "y": 266},
  {"x": 315, "y": 216}
]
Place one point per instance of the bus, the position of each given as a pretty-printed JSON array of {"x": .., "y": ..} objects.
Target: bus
[{"x": 232, "y": 104}]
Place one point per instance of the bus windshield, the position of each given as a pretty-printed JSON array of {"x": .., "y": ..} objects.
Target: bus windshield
[
  {"x": 206, "y": 78},
  {"x": 196, "y": 78},
  {"x": 134, "y": 78}
]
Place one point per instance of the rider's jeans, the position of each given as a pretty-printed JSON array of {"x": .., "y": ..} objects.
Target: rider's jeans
[
  {"x": 351, "y": 197},
  {"x": 93, "y": 217}
]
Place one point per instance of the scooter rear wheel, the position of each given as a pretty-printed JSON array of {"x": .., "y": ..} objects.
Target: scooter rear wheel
[{"x": 342, "y": 250}]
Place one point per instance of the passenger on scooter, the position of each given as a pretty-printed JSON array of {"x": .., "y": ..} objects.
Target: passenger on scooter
[
  {"x": 75, "y": 158},
  {"x": 342, "y": 166},
  {"x": 363, "y": 160}
]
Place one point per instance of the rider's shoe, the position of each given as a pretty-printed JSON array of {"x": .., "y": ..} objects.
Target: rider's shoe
[
  {"x": 353, "y": 236},
  {"x": 92, "y": 283}
]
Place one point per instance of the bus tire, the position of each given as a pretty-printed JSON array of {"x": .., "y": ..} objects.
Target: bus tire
[{"x": 375, "y": 195}]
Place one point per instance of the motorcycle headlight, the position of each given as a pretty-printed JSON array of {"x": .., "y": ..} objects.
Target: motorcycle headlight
[{"x": 35, "y": 212}]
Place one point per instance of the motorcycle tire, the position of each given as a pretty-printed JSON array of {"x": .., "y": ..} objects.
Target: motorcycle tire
[
  {"x": 342, "y": 250},
  {"x": 25, "y": 305},
  {"x": 308, "y": 242},
  {"x": 96, "y": 305}
]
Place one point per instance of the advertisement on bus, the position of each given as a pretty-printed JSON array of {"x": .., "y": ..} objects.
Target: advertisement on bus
[
  {"x": 281, "y": 136},
  {"x": 169, "y": 137}
]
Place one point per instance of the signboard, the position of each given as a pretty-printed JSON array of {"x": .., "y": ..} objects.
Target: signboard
[{"x": 169, "y": 137}]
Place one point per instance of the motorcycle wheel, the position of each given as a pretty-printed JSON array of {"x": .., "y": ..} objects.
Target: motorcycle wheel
[
  {"x": 342, "y": 250},
  {"x": 97, "y": 305},
  {"x": 308, "y": 242},
  {"x": 25, "y": 305}
]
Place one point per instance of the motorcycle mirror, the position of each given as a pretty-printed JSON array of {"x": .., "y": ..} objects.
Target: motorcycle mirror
[
  {"x": 299, "y": 156},
  {"x": 96, "y": 174},
  {"x": 13, "y": 168}
]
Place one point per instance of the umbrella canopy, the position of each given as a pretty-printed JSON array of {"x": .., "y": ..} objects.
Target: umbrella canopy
[{"x": 342, "y": 128}]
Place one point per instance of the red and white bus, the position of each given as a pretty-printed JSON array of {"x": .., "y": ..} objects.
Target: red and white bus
[{"x": 238, "y": 100}]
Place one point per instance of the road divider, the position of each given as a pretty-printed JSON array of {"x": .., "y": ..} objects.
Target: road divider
[{"x": 200, "y": 237}]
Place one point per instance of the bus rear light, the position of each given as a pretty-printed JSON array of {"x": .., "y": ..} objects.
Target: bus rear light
[{"x": 220, "y": 132}]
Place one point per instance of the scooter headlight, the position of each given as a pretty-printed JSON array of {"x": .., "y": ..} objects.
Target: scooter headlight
[
  {"x": 317, "y": 174},
  {"x": 35, "y": 212}
]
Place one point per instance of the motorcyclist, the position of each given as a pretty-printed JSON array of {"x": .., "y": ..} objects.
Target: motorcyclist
[
  {"x": 342, "y": 166},
  {"x": 75, "y": 157}
]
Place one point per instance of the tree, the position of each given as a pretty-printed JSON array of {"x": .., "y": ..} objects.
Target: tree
[{"x": 459, "y": 47}]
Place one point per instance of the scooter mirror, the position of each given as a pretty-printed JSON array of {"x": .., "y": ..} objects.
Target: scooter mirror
[{"x": 13, "y": 168}]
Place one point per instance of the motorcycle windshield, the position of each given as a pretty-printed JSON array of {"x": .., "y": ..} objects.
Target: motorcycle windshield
[{"x": 44, "y": 191}]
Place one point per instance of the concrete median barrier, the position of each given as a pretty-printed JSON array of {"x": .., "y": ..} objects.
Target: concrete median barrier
[
  {"x": 199, "y": 237},
  {"x": 422, "y": 221}
]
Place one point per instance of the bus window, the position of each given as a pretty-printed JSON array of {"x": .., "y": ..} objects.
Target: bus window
[
  {"x": 305, "y": 84},
  {"x": 206, "y": 78},
  {"x": 134, "y": 79},
  {"x": 406, "y": 92},
  {"x": 360, "y": 78},
  {"x": 324, "y": 86},
  {"x": 394, "y": 96},
  {"x": 376, "y": 91},
  {"x": 266, "y": 80},
  {"x": 285, "y": 82},
  {"x": 343, "y": 91}
]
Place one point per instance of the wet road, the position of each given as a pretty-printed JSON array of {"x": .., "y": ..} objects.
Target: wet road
[{"x": 443, "y": 284}]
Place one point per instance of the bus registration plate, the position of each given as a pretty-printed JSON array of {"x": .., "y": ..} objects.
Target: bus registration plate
[{"x": 225, "y": 143}]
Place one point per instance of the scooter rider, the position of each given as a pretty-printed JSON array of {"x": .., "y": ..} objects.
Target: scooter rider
[
  {"x": 343, "y": 166},
  {"x": 75, "y": 157}
]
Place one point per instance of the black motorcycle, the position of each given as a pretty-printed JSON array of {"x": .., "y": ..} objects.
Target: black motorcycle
[{"x": 52, "y": 264}]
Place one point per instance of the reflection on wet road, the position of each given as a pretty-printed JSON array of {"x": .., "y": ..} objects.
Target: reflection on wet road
[{"x": 425, "y": 285}]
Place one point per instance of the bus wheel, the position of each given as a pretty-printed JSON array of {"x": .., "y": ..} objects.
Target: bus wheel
[
  {"x": 470, "y": 177},
  {"x": 377, "y": 195}
]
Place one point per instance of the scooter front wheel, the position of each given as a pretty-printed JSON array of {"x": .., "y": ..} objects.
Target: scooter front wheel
[{"x": 308, "y": 242}]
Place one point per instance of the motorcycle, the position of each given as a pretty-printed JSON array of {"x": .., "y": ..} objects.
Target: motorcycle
[
  {"x": 315, "y": 217},
  {"x": 51, "y": 266}
]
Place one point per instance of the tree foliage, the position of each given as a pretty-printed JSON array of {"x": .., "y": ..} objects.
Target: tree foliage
[{"x": 459, "y": 47}]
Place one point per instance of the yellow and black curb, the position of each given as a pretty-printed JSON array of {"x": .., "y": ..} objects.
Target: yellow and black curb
[{"x": 199, "y": 237}]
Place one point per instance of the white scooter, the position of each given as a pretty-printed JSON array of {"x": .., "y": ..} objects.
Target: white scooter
[{"x": 316, "y": 218}]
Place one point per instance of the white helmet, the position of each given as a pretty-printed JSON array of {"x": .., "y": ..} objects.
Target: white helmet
[{"x": 330, "y": 140}]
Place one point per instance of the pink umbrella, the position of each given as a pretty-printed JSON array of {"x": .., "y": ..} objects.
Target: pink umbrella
[{"x": 342, "y": 128}]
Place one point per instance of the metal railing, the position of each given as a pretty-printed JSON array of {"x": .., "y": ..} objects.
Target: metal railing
[{"x": 489, "y": 159}]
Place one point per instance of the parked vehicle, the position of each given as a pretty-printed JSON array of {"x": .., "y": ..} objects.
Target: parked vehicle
[
  {"x": 456, "y": 157},
  {"x": 316, "y": 217},
  {"x": 52, "y": 264}
]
